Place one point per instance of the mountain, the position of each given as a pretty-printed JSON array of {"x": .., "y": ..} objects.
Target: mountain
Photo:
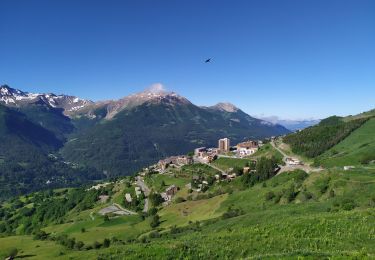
[
  {"x": 118, "y": 137},
  {"x": 140, "y": 129},
  {"x": 17, "y": 98},
  {"x": 28, "y": 159},
  {"x": 292, "y": 125}
]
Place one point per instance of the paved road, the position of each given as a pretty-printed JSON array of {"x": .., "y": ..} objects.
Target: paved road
[
  {"x": 125, "y": 210},
  {"x": 146, "y": 190},
  {"x": 145, "y": 208},
  {"x": 143, "y": 186},
  {"x": 285, "y": 168}
]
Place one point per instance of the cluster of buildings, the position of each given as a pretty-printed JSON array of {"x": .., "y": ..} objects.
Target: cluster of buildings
[
  {"x": 224, "y": 148},
  {"x": 178, "y": 161},
  {"x": 247, "y": 148},
  {"x": 205, "y": 155}
]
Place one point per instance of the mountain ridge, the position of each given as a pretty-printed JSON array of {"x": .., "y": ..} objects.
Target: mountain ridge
[{"x": 119, "y": 137}]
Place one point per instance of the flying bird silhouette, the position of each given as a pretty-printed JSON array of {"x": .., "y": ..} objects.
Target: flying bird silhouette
[{"x": 208, "y": 60}]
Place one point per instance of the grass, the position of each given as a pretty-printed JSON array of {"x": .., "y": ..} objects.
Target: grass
[
  {"x": 155, "y": 181},
  {"x": 268, "y": 151},
  {"x": 29, "y": 248},
  {"x": 180, "y": 214},
  {"x": 125, "y": 227},
  {"x": 227, "y": 163},
  {"x": 196, "y": 169},
  {"x": 313, "y": 227},
  {"x": 353, "y": 149}
]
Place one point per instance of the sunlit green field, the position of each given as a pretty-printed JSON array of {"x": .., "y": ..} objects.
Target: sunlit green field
[
  {"x": 332, "y": 214},
  {"x": 358, "y": 147}
]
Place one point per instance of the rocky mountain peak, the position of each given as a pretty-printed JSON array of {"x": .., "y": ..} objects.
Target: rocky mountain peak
[
  {"x": 14, "y": 97},
  {"x": 225, "y": 106}
]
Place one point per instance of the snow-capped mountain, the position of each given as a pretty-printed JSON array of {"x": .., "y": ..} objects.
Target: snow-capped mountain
[
  {"x": 17, "y": 98},
  {"x": 124, "y": 135}
]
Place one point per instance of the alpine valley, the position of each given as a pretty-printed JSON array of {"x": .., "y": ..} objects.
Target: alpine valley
[{"x": 51, "y": 140}]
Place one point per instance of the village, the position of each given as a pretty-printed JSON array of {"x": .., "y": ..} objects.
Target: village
[{"x": 200, "y": 156}]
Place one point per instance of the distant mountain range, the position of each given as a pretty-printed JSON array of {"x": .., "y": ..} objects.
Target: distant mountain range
[
  {"x": 49, "y": 135},
  {"x": 292, "y": 125}
]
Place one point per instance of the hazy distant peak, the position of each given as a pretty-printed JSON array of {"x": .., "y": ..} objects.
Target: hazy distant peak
[
  {"x": 291, "y": 124},
  {"x": 225, "y": 106}
]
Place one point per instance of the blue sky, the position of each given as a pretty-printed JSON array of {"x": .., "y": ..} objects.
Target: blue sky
[{"x": 293, "y": 59}]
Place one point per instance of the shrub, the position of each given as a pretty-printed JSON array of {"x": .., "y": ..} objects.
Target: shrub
[
  {"x": 278, "y": 198},
  {"x": 155, "y": 221},
  {"x": 40, "y": 235},
  {"x": 154, "y": 234},
  {"x": 366, "y": 159},
  {"x": 156, "y": 199},
  {"x": 96, "y": 245},
  {"x": 348, "y": 204},
  {"x": 175, "y": 230},
  {"x": 143, "y": 239},
  {"x": 79, "y": 245},
  {"x": 12, "y": 252},
  {"x": 307, "y": 195},
  {"x": 106, "y": 242},
  {"x": 290, "y": 194},
  {"x": 270, "y": 195},
  {"x": 179, "y": 200},
  {"x": 152, "y": 211},
  {"x": 232, "y": 212}
]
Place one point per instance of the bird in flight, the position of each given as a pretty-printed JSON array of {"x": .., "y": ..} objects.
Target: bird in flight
[{"x": 208, "y": 60}]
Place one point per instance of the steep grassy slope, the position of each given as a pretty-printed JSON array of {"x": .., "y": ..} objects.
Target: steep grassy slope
[
  {"x": 357, "y": 148},
  {"x": 313, "y": 141}
]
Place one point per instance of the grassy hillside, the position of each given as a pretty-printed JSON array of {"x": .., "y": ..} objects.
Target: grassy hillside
[
  {"x": 358, "y": 148},
  {"x": 313, "y": 141},
  {"x": 326, "y": 214}
]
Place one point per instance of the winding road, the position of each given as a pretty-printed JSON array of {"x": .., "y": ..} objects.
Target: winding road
[
  {"x": 285, "y": 168},
  {"x": 146, "y": 190}
]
